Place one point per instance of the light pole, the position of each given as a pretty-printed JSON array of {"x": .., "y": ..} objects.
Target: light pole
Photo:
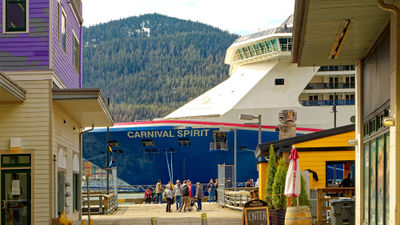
[{"x": 251, "y": 117}]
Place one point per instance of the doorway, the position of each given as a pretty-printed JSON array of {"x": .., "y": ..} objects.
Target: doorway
[{"x": 16, "y": 197}]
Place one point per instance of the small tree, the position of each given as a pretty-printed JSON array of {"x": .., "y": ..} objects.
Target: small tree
[
  {"x": 303, "y": 198},
  {"x": 270, "y": 175},
  {"x": 278, "y": 188}
]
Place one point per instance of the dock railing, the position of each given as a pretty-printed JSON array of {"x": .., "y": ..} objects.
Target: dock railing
[
  {"x": 237, "y": 199},
  {"x": 99, "y": 203}
]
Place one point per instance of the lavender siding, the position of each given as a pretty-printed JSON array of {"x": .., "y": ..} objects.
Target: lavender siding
[
  {"x": 27, "y": 51},
  {"x": 62, "y": 63}
]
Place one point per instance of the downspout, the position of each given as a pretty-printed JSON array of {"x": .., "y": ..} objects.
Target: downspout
[
  {"x": 394, "y": 217},
  {"x": 80, "y": 170}
]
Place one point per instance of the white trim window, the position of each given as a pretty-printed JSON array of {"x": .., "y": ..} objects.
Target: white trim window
[
  {"x": 15, "y": 15},
  {"x": 76, "y": 54},
  {"x": 64, "y": 30}
]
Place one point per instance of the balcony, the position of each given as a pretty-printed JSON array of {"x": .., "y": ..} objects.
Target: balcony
[
  {"x": 77, "y": 7},
  {"x": 315, "y": 86},
  {"x": 219, "y": 146},
  {"x": 326, "y": 102}
]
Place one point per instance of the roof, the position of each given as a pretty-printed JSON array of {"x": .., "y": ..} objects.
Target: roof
[
  {"x": 335, "y": 32},
  {"x": 86, "y": 106},
  {"x": 10, "y": 91},
  {"x": 285, "y": 145}
]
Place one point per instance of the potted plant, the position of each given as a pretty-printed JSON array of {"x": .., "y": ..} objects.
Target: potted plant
[
  {"x": 278, "y": 188},
  {"x": 271, "y": 171}
]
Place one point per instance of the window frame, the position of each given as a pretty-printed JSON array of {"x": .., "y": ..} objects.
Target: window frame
[
  {"x": 63, "y": 16},
  {"x": 4, "y": 19},
  {"x": 74, "y": 56}
]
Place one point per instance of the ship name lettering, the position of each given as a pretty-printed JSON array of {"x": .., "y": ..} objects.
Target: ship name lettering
[{"x": 168, "y": 133}]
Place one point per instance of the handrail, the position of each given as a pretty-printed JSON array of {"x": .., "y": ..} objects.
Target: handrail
[{"x": 101, "y": 204}]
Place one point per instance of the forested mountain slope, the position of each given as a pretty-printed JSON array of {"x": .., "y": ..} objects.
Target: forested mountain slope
[{"x": 152, "y": 64}]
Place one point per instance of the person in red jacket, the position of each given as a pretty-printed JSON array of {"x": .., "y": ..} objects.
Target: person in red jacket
[{"x": 148, "y": 195}]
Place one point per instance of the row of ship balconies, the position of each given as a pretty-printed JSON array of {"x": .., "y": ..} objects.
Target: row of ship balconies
[
  {"x": 339, "y": 85},
  {"x": 326, "y": 102}
]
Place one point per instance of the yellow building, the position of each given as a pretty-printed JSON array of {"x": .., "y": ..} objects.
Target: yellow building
[
  {"x": 319, "y": 152},
  {"x": 365, "y": 33},
  {"x": 40, "y": 150}
]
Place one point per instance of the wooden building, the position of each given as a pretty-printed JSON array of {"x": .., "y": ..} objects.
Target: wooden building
[
  {"x": 320, "y": 153},
  {"x": 365, "y": 33},
  {"x": 43, "y": 111}
]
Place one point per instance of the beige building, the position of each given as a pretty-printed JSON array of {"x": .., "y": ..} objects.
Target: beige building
[
  {"x": 40, "y": 146},
  {"x": 365, "y": 33}
]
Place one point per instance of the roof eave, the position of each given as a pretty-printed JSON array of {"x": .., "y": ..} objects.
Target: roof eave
[{"x": 12, "y": 88}]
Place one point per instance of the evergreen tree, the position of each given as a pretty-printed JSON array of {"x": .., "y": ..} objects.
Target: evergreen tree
[
  {"x": 303, "y": 198},
  {"x": 278, "y": 188},
  {"x": 270, "y": 175}
]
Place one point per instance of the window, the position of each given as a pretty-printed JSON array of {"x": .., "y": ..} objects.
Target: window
[
  {"x": 61, "y": 191},
  {"x": 64, "y": 31},
  {"x": 340, "y": 173},
  {"x": 76, "y": 55},
  {"x": 16, "y": 15},
  {"x": 76, "y": 191},
  {"x": 279, "y": 81},
  {"x": 58, "y": 21}
]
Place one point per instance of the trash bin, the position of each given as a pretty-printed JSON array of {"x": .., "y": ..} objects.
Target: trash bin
[{"x": 342, "y": 211}]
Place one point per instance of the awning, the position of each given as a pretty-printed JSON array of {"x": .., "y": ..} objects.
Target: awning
[
  {"x": 86, "y": 106},
  {"x": 285, "y": 145},
  {"x": 10, "y": 92},
  {"x": 319, "y": 26}
]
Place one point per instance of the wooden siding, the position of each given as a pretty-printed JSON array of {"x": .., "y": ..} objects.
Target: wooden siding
[
  {"x": 65, "y": 136},
  {"x": 340, "y": 140},
  {"x": 62, "y": 62},
  {"x": 31, "y": 121},
  {"x": 27, "y": 51},
  {"x": 316, "y": 161}
]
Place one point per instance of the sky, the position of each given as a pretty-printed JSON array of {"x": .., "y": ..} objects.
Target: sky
[{"x": 239, "y": 17}]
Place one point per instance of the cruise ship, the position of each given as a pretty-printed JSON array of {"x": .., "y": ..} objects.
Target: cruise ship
[{"x": 190, "y": 142}]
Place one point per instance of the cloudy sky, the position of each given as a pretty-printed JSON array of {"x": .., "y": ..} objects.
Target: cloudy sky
[{"x": 240, "y": 17}]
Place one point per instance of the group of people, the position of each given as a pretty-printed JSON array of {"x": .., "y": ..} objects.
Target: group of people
[{"x": 185, "y": 195}]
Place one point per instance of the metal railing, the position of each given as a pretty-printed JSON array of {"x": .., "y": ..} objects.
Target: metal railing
[
  {"x": 219, "y": 146},
  {"x": 322, "y": 85},
  {"x": 326, "y": 102},
  {"x": 237, "y": 199}
]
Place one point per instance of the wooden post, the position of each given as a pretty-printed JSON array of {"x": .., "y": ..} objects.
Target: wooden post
[{"x": 319, "y": 206}]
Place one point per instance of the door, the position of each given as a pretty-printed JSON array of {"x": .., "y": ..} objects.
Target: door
[{"x": 16, "y": 197}]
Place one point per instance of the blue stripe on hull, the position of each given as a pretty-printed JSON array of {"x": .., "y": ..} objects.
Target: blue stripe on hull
[{"x": 194, "y": 162}]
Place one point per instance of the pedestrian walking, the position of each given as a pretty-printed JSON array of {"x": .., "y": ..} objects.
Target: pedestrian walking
[
  {"x": 148, "y": 196},
  {"x": 168, "y": 195},
  {"x": 199, "y": 195},
  {"x": 159, "y": 192},
  {"x": 185, "y": 197},
  {"x": 211, "y": 191},
  {"x": 192, "y": 193},
  {"x": 178, "y": 194}
]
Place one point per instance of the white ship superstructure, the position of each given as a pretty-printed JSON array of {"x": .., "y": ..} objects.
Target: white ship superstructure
[{"x": 264, "y": 81}]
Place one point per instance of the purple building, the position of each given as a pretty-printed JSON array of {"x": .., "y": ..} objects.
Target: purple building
[
  {"x": 42, "y": 35},
  {"x": 43, "y": 111}
]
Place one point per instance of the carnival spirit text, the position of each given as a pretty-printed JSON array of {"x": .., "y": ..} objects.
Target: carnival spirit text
[{"x": 168, "y": 133}]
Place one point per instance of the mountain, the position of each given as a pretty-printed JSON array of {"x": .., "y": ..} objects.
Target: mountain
[{"x": 152, "y": 64}]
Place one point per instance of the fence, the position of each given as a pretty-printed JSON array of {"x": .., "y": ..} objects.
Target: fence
[{"x": 225, "y": 181}]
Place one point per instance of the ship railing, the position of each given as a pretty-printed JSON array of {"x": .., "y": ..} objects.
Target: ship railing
[
  {"x": 326, "y": 102},
  {"x": 322, "y": 85},
  {"x": 219, "y": 146},
  {"x": 99, "y": 203}
]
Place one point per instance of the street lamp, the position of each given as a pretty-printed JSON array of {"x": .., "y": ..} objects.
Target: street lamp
[{"x": 251, "y": 117}]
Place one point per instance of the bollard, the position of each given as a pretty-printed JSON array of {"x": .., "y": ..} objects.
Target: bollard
[
  {"x": 91, "y": 222},
  {"x": 204, "y": 219},
  {"x": 83, "y": 222},
  {"x": 153, "y": 221}
]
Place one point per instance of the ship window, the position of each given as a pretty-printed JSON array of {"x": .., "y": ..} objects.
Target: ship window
[
  {"x": 279, "y": 81},
  {"x": 16, "y": 15},
  {"x": 283, "y": 42},
  {"x": 154, "y": 150},
  {"x": 148, "y": 142},
  {"x": 246, "y": 52},
  {"x": 275, "y": 44},
  {"x": 220, "y": 141},
  {"x": 290, "y": 44},
  {"x": 241, "y": 53},
  {"x": 183, "y": 142},
  {"x": 252, "y": 52},
  {"x": 263, "y": 49},
  {"x": 269, "y": 46},
  {"x": 258, "y": 50}
]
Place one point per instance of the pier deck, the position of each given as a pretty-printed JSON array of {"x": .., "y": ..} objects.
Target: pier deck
[{"x": 138, "y": 214}]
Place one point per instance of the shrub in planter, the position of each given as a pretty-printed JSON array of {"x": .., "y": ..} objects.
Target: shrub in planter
[
  {"x": 278, "y": 188},
  {"x": 270, "y": 176}
]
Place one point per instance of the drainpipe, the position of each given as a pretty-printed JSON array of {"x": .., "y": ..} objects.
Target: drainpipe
[
  {"x": 395, "y": 112},
  {"x": 80, "y": 170}
]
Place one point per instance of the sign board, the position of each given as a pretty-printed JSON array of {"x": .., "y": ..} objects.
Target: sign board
[
  {"x": 88, "y": 169},
  {"x": 255, "y": 212}
]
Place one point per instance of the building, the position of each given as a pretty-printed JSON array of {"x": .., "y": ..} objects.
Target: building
[
  {"x": 325, "y": 154},
  {"x": 43, "y": 111},
  {"x": 365, "y": 33}
]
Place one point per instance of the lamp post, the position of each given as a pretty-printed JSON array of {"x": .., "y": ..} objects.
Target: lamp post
[{"x": 251, "y": 117}]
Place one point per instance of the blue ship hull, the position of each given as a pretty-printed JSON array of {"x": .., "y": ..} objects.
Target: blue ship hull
[{"x": 168, "y": 152}]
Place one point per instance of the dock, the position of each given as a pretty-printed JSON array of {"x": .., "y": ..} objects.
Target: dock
[{"x": 141, "y": 214}]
